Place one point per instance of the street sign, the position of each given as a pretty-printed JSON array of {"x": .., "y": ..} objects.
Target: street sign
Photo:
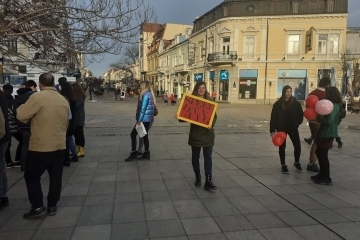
[{"x": 224, "y": 75}]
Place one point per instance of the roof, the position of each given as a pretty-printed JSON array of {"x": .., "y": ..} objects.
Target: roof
[{"x": 150, "y": 27}]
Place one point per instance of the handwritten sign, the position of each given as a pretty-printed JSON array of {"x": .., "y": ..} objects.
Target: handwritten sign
[{"x": 197, "y": 110}]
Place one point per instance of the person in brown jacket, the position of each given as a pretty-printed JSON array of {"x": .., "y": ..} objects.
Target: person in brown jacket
[{"x": 48, "y": 114}]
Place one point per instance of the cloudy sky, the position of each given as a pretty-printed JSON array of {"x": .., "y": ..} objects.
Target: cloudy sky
[{"x": 185, "y": 11}]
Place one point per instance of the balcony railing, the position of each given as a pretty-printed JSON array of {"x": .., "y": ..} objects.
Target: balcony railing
[{"x": 222, "y": 56}]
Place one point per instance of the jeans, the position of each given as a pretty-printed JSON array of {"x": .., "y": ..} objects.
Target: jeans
[
  {"x": 146, "y": 137},
  {"x": 324, "y": 164},
  {"x": 79, "y": 136},
  {"x": 295, "y": 139},
  {"x": 36, "y": 164},
  {"x": 3, "y": 177},
  {"x": 141, "y": 140},
  {"x": 24, "y": 146},
  {"x": 70, "y": 145},
  {"x": 18, "y": 137},
  {"x": 207, "y": 152}
]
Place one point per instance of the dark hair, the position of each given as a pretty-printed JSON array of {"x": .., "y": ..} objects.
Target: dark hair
[
  {"x": 283, "y": 95},
  {"x": 30, "y": 83},
  {"x": 68, "y": 92},
  {"x": 62, "y": 80},
  {"x": 324, "y": 82},
  {"x": 47, "y": 80},
  {"x": 8, "y": 88},
  {"x": 79, "y": 93},
  {"x": 333, "y": 94},
  {"x": 196, "y": 89}
]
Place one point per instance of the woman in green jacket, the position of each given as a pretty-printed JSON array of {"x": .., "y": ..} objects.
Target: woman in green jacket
[
  {"x": 201, "y": 137},
  {"x": 328, "y": 131}
]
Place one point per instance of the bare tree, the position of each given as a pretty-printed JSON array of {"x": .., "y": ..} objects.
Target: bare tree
[
  {"x": 130, "y": 56},
  {"x": 59, "y": 29}
]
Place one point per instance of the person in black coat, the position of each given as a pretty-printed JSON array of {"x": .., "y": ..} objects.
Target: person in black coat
[{"x": 286, "y": 116}]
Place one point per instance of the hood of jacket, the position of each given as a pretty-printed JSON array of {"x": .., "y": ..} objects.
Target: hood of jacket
[{"x": 24, "y": 91}]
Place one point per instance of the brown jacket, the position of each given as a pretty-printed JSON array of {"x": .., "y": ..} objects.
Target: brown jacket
[{"x": 48, "y": 113}]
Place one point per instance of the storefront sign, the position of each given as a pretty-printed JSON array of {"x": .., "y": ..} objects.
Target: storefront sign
[
  {"x": 248, "y": 73},
  {"x": 224, "y": 75},
  {"x": 197, "y": 110},
  {"x": 198, "y": 77}
]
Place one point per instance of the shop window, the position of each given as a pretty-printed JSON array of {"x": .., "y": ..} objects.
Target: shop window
[{"x": 247, "y": 88}]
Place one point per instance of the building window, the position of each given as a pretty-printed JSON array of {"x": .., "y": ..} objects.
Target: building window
[
  {"x": 328, "y": 43},
  {"x": 293, "y": 44},
  {"x": 141, "y": 50},
  {"x": 211, "y": 47},
  {"x": 11, "y": 44},
  {"x": 249, "y": 47},
  {"x": 330, "y": 6},
  {"x": 295, "y": 6},
  {"x": 226, "y": 45},
  {"x": 247, "y": 88}
]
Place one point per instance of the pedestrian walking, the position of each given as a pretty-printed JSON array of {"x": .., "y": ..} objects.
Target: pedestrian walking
[
  {"x": 122, "y": 95},
  {"x": 79, "y": 120},
  {"x": 144, "y": 115},
  {"x": 201, "y": 137},
  {"x": 5, "y": 136},
  {"x": 22, "y": 96},
  {"x": 14, "y": 129},
  {"x": 131, "y": 94},
  {"x": 69, "y": 94},
  {"x": 325, "y": 137},
  {"x": 172, "y": 99},
  {"x": 286, "y": 116},
  {"x": 116, "y": 93},
  {"x": 48, "y": 113},
  {"x": 213, "y": 95},
  {"x": 165, "y": 98},
  {"x": 315, "y": 126}
]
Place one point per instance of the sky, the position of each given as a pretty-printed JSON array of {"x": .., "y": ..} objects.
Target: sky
[{"x": 185, "y": 11}]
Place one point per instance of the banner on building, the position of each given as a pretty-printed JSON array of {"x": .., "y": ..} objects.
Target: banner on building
[{"x": 197, "y": 110}]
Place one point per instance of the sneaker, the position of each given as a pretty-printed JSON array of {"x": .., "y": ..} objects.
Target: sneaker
[
  {"x": 313, "y": 168},
  {"x": 308, "y": 140},
  {"x": 297, "y": 165},
  {"x": 340, "y": 144},
  {"x": 17, "y": 164},
  {"x": 10, "y": 165},
  {"x": 34, "y": 213},
  {"x": 316, "y": 177},
  {"x": 285, "y": 169},
  {"x": 52, "y": 211},
  {"x": 324, "y": 181}
]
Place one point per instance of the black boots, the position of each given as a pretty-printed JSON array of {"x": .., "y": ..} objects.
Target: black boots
[
  {"x": 146, "y": 155},
  {"x": 208, "y": 184},
  {"x": 197, "y": 179},
  {"x": 132, "y": 156}
]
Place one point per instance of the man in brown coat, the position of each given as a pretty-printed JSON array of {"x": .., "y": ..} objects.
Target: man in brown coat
[{"x": 48, "y": 114}]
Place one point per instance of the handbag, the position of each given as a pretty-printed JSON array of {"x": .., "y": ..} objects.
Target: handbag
[{"x": 156, "y": 111}]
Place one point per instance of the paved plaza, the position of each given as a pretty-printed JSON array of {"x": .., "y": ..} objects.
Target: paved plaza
[{"x": 104, "y": 197}]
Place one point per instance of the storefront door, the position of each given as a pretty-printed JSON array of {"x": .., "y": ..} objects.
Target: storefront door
[{"x": 224, "y": 91}]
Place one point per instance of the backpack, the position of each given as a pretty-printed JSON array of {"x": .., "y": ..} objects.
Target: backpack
[{"x": 342, "y": 113}]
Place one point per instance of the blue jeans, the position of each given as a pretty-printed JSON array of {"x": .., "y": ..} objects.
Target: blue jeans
[
  {"x": 207, "y": 152},
  {"x": 71, "y": 145},
  {"x": 141, "y": 140},
  {"x": 3, "y": 177}
]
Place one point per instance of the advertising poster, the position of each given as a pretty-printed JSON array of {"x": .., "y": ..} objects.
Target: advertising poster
[{"x": 298, "y": 86}]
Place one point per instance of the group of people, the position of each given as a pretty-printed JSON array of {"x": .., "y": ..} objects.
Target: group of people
[
  {"x": 287, "y": 115},
  {"x": 50, "y": 118},
  {"x": 165, "y": 97}
]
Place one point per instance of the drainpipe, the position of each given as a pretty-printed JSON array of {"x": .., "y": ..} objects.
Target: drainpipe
[{"x": 266, "y": 60}]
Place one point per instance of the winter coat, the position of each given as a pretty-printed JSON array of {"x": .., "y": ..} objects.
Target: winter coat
[
  {"x": 145, "y": 108},
  {"x": 21, "y": 98},
  {"x": 329, "y": 123},
  {"x": 80, "y": 112},
  {"x": 71, "y": 127},
  {"x": 4, "y": 110},
  {"x": 286, "y": 120}
]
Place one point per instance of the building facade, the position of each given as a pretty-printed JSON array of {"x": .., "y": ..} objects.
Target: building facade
[{"x": 248, "y": 50}]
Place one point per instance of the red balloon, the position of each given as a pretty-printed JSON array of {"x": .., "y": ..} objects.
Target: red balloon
[
  {"x": 310, "y": 114},
  {"x": 311, "y": 101},
  {"x": 279, "y": 138}
]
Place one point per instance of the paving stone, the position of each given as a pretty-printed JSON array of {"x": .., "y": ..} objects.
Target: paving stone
[
  {"x": 303, "y": 202},
  {"x": 102, "y": 188},
  {"x": 183, "y": 195},
  {"x": 174, "y": 184},
  {"x": 130, "y": 231},
  {"x": 15, "y": 204},
  {"x": 349, "y": 231},
  {"x": 201, "y": 193},
  {"x": 94, "y": 232},
  {"x": 353, "y": 214},
  {"x": 329, "y": 200},
  {"x": 71, "y": 201},
  {"x": 275, "y": 203},
  {"x": 200, "y": 226},
  {"x": 17, "y": 222},
  {"x": 95, "y": 215},
  {"x": 157, "y": 211},
  {"x": 17, "y": 235},
  {"x": 104, "y": 178},
  {"x": 5, "y": 215},
  {"x": 234, "y": 192},
  {"x": 120, "y": 177},
  {"x": 347, "y": 196},
  {"x": 99, "y": 199},
  {"x": 214, "y": 236},
  {"x": 166, "y": 229},
  {"x": 283, "y": 189},
  {"x": 128, "y": 197},
  {"x": 220, "y": 206},
  {"x": 172, "y": 174},
  {"x": 248, "y": 235},
  {"x": 327, "y": 216},
  {"x": 265, "y": 220},
  {"x": 233, "y": 223},
  {"x": 153, "y": 185},
  {"x": 129, "y": 212},
  {"x": 128, "y": 186},
  {"x": 65, "y": 217},
  {"x": 53, "y": 234},
  {"x": 191, "y": 209},
  {"x": 280, "y": 234},
  {"x": 258, "y": 190},
  {"x": 80, "y": 179},
  {"x": 296, "y": 218},
  {"x": 157, "y": 196},
  {"x": 75, "y": 189},
  {"x": 316, "y": 232},
  {"x": 248, "y": 205}
]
